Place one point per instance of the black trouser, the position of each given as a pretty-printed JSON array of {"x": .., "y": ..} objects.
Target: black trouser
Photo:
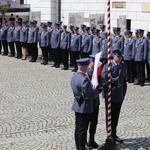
[
  {"x": 50, "y": 53},
  {"x": 148, "y": 70},
  {"x": 140, "y": 69},
  {"x": 130, "y": 70},
  {"x": 0, "y": 47},
  {"x": 93, "y": 122},
  {"x": 5, "y": 47},
  {"x": 75, "y": 56},
  {"x": 115, "y": 112},
  {"x": 84, "y": 55},
  {"x": 45, "y": 54},
  {"x": 65, "y": 55},
  {"x": 32, "y": 47},
  {"x": 18, "y": 49},
  {"x": 71, "y": 62},
  {"x": 81, "y": 126},
  {"x": 12, "y": 48},
  {"x": 57, "y": 57}
]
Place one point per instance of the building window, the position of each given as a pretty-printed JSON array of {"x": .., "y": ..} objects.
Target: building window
[{"x": 21, "y": 1}]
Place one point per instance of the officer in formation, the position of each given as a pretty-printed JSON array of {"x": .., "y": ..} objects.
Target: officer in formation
[
  {"x": 84, "y": 94},
  {"x": 118, "y": 86},
  {"x": 78, "y": 45}
]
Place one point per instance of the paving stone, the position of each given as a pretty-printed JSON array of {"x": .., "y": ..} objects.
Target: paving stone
[{"x": 35, "y": 110}]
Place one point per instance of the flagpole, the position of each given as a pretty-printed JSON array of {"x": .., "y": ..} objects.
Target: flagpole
[{"x": 109, "y": 143}]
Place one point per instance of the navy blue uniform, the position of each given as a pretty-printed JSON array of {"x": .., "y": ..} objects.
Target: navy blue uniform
[
  {"x": 44, "y": 46},
  {"x": 118, "y": 87},
  {"x": 55, "y": 45},
  {"x": 75, "y": 48},
  {"x": 82, "y": 106},
  {"x": 140, "y": 56},
  {"x": 17, "y": 41},
  {"x": 4, "y": 31},
  {"x": 65, "y": 46},
  {"x": 128, "y": 51},
  {"x": 10, "y": 40}
]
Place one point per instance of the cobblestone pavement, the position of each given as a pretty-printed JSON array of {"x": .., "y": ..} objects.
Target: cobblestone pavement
[{"x": 35, "y": 110}]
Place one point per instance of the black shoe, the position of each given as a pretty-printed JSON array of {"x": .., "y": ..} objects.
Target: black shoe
[
  {"x": 54, "y": 66},
  {"x": 93, "y": 144},
  {"x": 142, "y": 84},
  {"x": 32, "y": 60},
  {"x": 65, "y": 68},
  {"x": 117, "y": 139},
  {"x": 45, "y": 63},
  {"x": 42, "y": 63},
  {"x": 74, "y": 70},
  {"x": 136, "y": 83},
  {"x": 57, "y": 66}
]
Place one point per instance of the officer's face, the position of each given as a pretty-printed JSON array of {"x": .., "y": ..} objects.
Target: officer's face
[
  {"x": 148, "y": 36},
  {"x": 117, "y": 58},
  {"x": 141, "y": 34}
]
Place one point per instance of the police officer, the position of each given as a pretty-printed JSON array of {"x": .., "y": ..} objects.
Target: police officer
[
  {"x": 117, "y": 42},
  {"x": 83, "y": 30},
  {"x": 96, "y": 102},
  {"x": 96, "y": 42},
  {"x": 65, "y": 46},
  {"x": 23, "y": 38},
  {"x": 72, "y": 32},
  {"x": 93, "y": 29},
  {"x": 103, "y": 31},
  {"x": 55, "y": 45},
  {"x": 104, "y": 45},
  {"x": 140, "y": 56},
  {"x": 43, "y": 44},
  {"x": 4, "y": 31},
  {"x": 148, "y": 58},
  {"x": 87, "y": 43},
  {"x": 82, "y": 105},
  {"x": 17, "y": 39},
  {"x": 128, "y": 55},
  {"x": 0, "y": 38},
  {"x": 118, "y": 89},
  {"x": 49, "y": 30},
  {"x": 10, "y": 39},
  {"x": 32, "y": 41},
  {"x": 75, "y": 47}
]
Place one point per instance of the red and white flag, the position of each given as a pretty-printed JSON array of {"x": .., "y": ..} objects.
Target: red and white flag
[{"x": 98, "y": 66}]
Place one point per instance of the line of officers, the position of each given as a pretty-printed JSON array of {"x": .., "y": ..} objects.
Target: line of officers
[{"x": 62, "y": 45}]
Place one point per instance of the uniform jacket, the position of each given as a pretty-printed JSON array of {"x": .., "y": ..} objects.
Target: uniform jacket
[
  {"x": 103, "y": 34},
  {"x": 118, "y": 81},
  {"x": 65, "y": 40},
  {"x": 141, "y": 49},
  {"x": 39, "y": 35},
  {"x": 104, "y": 48},
  {"x": 82, "y": 87},
  {"x": 75, "y": 42},
  {"x": 44, "y": 38},
  {"x": 10, "y": 33},
  {"x": 32, "y": 35},
  {"x": 87, "y": 43},
  {"x": 55, "y": 38},
  {"x": 96, "y": 101},
  {"x": 128, "y": 51},
  {"x": 17, "y": 34},
  {"x": 96, "y": 45},
  {"x": 50, "y": 30},
  {"x": 24, "y": 34},
  {"x": 148, "y": 57},
  {"x": 117, "y": 42},
  {"x": 4, "y": 31}
]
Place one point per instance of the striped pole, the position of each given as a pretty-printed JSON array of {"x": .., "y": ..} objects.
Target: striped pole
[{"x": 108, "y": 98}]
